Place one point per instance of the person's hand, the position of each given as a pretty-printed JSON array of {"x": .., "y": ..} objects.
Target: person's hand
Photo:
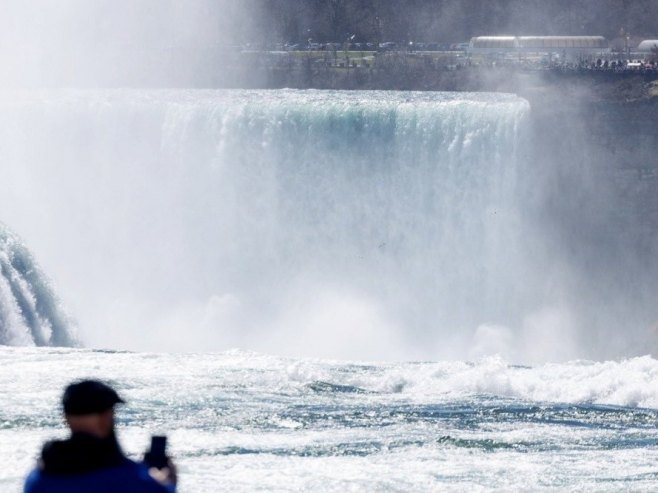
[{"x": 166, "y": 475}]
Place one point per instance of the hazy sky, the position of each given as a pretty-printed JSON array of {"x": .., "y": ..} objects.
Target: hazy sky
[{"x": 113, "y": 42}]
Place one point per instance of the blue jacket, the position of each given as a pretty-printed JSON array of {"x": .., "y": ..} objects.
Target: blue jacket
[
  {"x": 129, "y": 477},
  {"x": 86, "y": 464}
]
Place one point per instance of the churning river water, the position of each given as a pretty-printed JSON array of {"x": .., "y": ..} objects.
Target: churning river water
[{"x": 241, "y": 421}]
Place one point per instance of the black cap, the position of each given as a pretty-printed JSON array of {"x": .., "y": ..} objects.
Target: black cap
[{"x": 89, "y": 397}]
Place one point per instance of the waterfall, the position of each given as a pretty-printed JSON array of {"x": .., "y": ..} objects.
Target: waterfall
[
  {"x": 30, "y": 314},
  {"x": 295, "y": 219}
]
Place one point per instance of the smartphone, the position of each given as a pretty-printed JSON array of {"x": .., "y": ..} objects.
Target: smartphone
[{"x": 157, "y": 455}]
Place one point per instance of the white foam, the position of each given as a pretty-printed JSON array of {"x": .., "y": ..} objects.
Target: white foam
[{"x": 249, "y": 421}]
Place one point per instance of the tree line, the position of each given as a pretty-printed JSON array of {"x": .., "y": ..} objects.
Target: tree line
[{"x": 448, "y": 21}]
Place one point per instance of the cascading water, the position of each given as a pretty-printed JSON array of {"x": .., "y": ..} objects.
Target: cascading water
[
  {"x": 356, "y": 225},
  {"x": 30, "y": 314},
  {"x": 340, "y": 224}
]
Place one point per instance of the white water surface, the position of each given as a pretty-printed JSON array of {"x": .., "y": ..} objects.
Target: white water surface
[{"x": 241, "y": 421}]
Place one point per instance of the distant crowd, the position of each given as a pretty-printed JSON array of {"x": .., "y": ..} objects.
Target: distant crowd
[
  {"x": 614, "y": 66},
  {"x": 618, "y": 66}
]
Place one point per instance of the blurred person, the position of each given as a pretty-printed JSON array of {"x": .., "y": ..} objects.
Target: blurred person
[{"x": 91, "y": 459}]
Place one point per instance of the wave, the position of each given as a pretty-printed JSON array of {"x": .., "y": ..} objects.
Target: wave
[{"x": 631, "y": 382}]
